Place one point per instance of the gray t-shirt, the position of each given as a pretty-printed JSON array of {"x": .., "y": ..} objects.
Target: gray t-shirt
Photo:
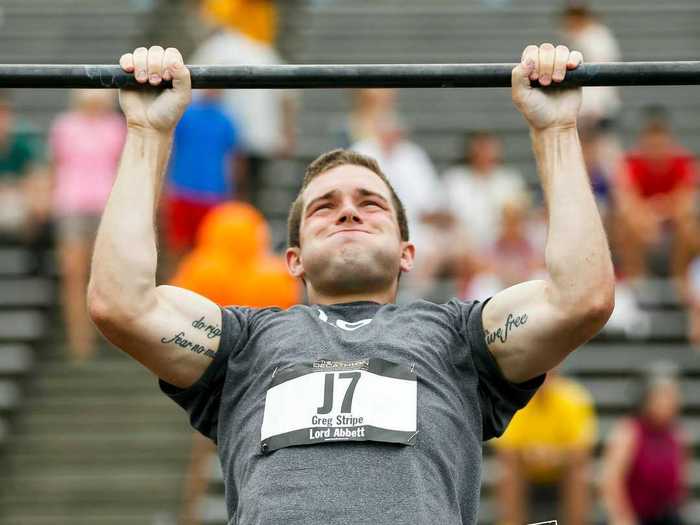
[{"x": 462, "y": 399}]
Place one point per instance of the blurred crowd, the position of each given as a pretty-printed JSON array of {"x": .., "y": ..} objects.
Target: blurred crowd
[{"x": 479, "y": 225}]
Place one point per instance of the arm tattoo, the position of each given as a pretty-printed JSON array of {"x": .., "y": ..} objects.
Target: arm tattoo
[
  {"x": 502, "y": 332},
  {"x": 211, "y": 330},
  {"x": 180, "y": 340}
]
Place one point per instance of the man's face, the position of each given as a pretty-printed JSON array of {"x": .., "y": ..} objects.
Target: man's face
[
  {"x": 349, "y": 235},
  {"x": 656, "y": 142}
]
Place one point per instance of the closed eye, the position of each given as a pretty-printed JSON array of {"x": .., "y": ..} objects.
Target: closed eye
[{"x": 321, "y": 207}]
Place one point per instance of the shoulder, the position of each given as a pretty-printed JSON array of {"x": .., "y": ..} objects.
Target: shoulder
[
  {"x": 624, "y": 433},
  {"x": 456, "y": 172},
  {"x": 683, "y": 155},
  {"x": 508, "y": 175}
]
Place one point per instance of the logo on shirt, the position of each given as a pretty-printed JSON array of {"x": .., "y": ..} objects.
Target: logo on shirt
[{"x": 343, "y": 325}]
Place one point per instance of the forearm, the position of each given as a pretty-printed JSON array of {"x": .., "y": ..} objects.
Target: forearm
[
  {"x": 615, "y": 500},
  {"x": 576, "y": 489},
  {"x": 125, "y": 257},
  {"x": 577, "y": 255}
]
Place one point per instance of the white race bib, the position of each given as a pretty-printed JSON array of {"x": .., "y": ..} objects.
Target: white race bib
[{"x": 364, "y": 400}]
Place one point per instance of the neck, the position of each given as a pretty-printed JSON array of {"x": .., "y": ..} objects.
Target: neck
[{"x": 386, "y": 297}]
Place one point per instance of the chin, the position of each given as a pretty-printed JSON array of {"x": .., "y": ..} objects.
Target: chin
[{"x": 353, "y": 269}]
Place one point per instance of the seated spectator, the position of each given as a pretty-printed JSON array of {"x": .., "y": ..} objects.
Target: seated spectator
[
  {"x": 646, "y": 458},
  {"x": 244, "y": 34},
  {"x": 599, "y": 173},
  {"x": 85, "y": 144},
  {"x": 368, "y": 107},
  {"x": 544, "y": 456},
  {"x": 585, "y": 32},
  {"x": 654, "y": 193},
  {"x": 482, "y": 175},
  {"x": 515, "y": 255},
  {"x": 24, "y": 202},
  {"x": 231, "y": 264},
  {"x": 205, "y": 169}
]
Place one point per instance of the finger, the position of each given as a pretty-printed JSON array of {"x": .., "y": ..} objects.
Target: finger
[
  {"x": 174, "y": 68},
  {"x": 546, "y": 63},
  {"x": 141, "y": 64},
  {"x": 155, "y": 64},
  {"x": 127, "y": 62},
  {"x": 575, "y": 60},
  {"x": 561, "y": 56},
  {"x": 531, "y": 56}
]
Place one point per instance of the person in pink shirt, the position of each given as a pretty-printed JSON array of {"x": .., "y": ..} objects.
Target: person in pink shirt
[{"x": 85, "y": 144}]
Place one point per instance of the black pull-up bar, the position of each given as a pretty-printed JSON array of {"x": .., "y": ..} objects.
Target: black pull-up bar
[{"x": 350, "y": 75}]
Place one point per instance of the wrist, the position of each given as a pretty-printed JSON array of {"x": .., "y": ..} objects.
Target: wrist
[
  {"x": 148, "y": 132},
  {"x": 558, "y": 129}
]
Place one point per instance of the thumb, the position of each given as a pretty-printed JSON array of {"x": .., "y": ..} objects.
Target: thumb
[
  {"x": 180, "y": 76},
  {"x": 520, "y": 76}
]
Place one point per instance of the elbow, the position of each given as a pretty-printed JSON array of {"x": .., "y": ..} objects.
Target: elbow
[
  {"x": 99, "y": 306},
  {"x": 108, "y": 309},
  {"x": 591, "y": 311},
  {"x": 600, "y": 307}
]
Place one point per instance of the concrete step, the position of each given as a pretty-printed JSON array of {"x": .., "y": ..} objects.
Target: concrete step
[
  {"x": 93, "y": 515},
  {"x": 32, "y": 292},
  {"x": 88, "y": 406},
  {"x": 22, "y": 325},
  {"x": 79, "y": 384},
  {"x": 97, "y": 444},
  {"x": 146, "y": 458},
  {"x": 102, "y": 486},
  {"x": 47, "y": 423}
]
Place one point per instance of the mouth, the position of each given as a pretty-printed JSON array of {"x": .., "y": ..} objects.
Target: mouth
[{"x": 350, "y": 230}]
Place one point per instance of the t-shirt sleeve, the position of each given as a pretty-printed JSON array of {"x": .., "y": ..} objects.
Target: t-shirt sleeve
[
  {"x": 203, "y": 399},
  {"x": 499, "y": 399}
]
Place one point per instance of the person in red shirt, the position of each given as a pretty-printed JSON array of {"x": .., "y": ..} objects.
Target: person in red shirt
[
  {"x": 654, "y": 197},
  {"x": 646, "y": 459}
]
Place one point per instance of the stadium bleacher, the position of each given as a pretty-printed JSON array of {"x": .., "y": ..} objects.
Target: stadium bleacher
[{"x": 99, "y": 444}]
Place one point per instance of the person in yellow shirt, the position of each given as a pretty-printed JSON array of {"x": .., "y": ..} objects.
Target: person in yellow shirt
[
  {"x": 257, "y": 19},
  {"x": 544, "y": 456}
]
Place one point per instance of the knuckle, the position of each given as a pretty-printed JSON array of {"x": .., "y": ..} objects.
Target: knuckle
[
  {"x": 547, "y": 46},
  {"x": 140, "y": 50}
]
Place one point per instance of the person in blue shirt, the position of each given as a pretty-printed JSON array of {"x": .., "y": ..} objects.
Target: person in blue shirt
[{"x": 205, "y": 169}]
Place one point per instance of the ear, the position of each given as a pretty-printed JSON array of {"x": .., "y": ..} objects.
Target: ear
[
  {"x": 408, "y": 254},
  {"x": 294, "y": 264}
]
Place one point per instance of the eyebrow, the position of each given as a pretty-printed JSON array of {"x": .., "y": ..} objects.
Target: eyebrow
[
  {"x": 361, "y": 191},
  {"x": 368, "y": 193},
  {"x": 325, "y": 196}
]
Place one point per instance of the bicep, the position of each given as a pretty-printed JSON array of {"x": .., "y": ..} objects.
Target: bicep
[
  {"x": 526, "y": 332},
  {"x": 176, "y": 338}
]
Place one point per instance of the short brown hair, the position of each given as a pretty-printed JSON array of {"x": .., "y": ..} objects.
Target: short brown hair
[{"x": 326, "y": 162}]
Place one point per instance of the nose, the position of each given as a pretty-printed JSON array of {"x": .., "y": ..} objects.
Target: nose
[{"x": 349, "y": 214}]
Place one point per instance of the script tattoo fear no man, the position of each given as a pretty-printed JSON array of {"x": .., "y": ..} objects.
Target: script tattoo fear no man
[
  {"x": 502, "y": 332},
  {"x": 179, "y": 339}
]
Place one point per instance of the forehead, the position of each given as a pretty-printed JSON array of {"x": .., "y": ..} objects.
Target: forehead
[{"x": 346, "y": 179}]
